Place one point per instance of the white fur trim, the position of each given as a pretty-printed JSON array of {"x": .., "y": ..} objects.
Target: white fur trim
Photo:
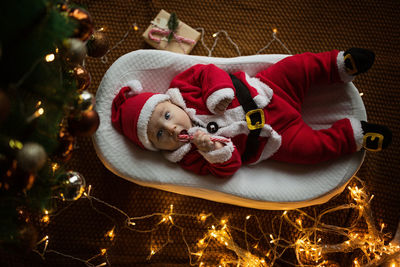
[
  {"x": 215, "y": 98},
  {"x": 342, "y": 68},
  {"x": 357, "y": 131},
  {"x": 176, "y": 97},
  {"x": 273, "y": 144},
  {"x": 265, "y": 92},
  {"x": 144, "y": 118},
  {"x": 217, "y": 156},
  {"x": 227, "y": 122},
  {"x": 220, "y": 155},
  {"x": 178, "y": 154},
  {"x": 136, "y": 86},
  {"x": 193, "y": 130}
]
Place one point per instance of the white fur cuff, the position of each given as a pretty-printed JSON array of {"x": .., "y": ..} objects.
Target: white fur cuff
[
  {"x": 342, "y": 68},
  {"x": 216, "y": 97},
  {"x": 178, "y": 154},
  {"x": 220, "y": 155},
  {"x": 358, "y": 132}
]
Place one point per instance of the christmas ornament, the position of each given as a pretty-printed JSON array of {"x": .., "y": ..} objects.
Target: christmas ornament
[
  {"x": 85, "y": 23},
  {"x": 31, "y": 157},
  {"x": 83, "y": 77},
  {"x": 98, "y": 44},
  {"x": 86, "y": 101},
  {"x": 84, "y": 124},
  {"x": 73, "y": 51},
  {"x": 13, "y": 175},
  {"x": 17, "y": 179},
  {"x": 5, "y": 106},
  {"x": 66, "y": 144},
  {"x": 72, "y": 185}
]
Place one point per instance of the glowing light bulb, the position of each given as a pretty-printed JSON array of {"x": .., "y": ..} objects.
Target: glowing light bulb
[
  {"x": 49, "y": 57},
  {"x": 203, "y": 217},
  {"x": 45, "y": 219},
  {"x": 111, "y": 234},
  {"x": 15, "y": 144}
]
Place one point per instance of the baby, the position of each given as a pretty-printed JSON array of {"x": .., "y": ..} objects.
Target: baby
[{"x": 212, "y": 122}]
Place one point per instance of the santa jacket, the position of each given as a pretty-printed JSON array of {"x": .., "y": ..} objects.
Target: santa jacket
[
  {"x": 198, "y": 90},
  {"x": 279, "y": 90}
]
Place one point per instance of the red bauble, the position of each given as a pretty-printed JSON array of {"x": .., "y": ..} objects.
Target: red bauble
[
  {"x": 84, "y": 124},
  {"x": 85, "y": 23}
]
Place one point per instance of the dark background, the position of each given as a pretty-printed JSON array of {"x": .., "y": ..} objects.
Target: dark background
[{"x": 303, "y": 25}]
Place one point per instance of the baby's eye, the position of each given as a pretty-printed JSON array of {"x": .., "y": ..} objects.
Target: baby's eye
[
  {"x": 167, "y": 115},
  {"x": 159, "y": 134}
]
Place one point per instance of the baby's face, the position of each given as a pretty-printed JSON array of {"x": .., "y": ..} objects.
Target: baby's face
[{"x": 166, "y": 123}]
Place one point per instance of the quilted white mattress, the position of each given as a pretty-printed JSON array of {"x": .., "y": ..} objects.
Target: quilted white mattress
[{"x": 267, "y": 185}]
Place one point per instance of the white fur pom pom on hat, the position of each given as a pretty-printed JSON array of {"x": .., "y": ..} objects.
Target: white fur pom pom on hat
[{"x": 136, "y": 87}]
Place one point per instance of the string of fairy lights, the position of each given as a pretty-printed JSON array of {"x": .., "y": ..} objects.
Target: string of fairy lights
[
  {"x": 309, "y": 248},
  {"x": 260, "y": 250},
  {"x": 216, "y": 37}
]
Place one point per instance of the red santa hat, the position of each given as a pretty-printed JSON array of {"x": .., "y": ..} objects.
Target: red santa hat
[{"x": 131, "y": 111}]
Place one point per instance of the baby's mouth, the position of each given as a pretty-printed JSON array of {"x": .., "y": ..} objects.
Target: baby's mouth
[{"x": 183, "y": 136}]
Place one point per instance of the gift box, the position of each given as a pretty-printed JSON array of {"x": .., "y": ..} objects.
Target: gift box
[{"x": 183, "y": 39}]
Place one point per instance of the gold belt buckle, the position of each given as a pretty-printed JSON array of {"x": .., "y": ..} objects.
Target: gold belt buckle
[
  {"x": 373, "y": 137},
  {"x": 354, "y": 70},
  {"x": 258, "y": 124}
]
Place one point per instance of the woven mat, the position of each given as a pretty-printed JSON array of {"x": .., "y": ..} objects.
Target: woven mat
[{"x": 313, "y": 26}]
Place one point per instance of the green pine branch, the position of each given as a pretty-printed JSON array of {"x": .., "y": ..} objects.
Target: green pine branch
[{"x": 173, "y": 23}]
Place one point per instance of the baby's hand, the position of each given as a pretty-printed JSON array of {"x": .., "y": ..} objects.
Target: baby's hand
[
  {"x": 222, "y": 105},
  {"x": 203, "y": 142}
]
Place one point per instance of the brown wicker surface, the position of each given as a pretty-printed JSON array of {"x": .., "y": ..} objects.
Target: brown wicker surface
[{"x": 303, "y": 26}]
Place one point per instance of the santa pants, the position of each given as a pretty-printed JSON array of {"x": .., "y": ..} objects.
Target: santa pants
[{"x": 290, "y": 79}]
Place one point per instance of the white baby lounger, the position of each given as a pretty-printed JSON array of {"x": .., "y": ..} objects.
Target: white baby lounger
[{"x": 267, "y": 185}]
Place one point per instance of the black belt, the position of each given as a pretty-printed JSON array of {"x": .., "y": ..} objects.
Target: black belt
[{"x": 254, "y": 117}]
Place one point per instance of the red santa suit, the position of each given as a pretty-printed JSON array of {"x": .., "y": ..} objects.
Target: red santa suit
[{"x": 279, "y": 91}]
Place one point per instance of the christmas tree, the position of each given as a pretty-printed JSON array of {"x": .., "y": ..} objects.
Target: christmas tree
[{"x": 44, "y": 106}]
